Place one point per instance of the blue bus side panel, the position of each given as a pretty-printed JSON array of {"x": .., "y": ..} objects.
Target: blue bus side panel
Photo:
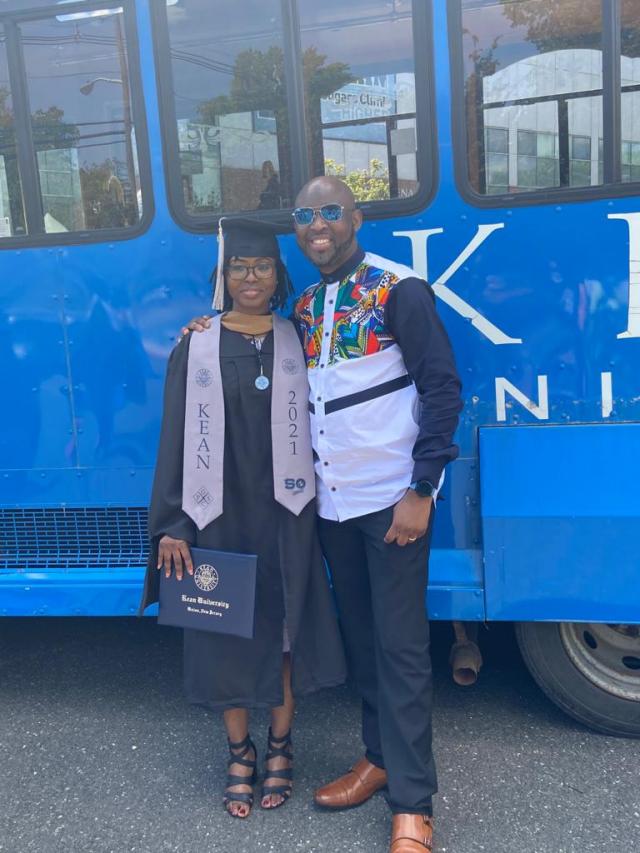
[
  {"x": 455, "y": 585},
  {"x": 561, "y": 515},
  {"x": 86, "y": 592},
  {"x": 455, "y": 564},
  {"x": 455, "y": 591}
]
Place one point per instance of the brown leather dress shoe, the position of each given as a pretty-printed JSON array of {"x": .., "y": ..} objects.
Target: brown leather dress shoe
[
  {"x": 352, "y": 789},
  {"x": 411, "y": 833}
]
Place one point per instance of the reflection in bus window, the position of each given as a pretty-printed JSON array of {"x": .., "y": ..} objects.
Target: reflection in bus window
[
  {"x": 360, "y": 94},
  {"x": 533, "y": 94},
  {"x": 231, "y": 66},
  {"x": 81, "y": 120},
  {"x": 630, "y": 74},
  {"x": 231, "y": 105},
  {"x": 12, "y": 220}
]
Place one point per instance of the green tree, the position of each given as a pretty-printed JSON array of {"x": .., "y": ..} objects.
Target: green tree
[
  {"x": 561, "y": 24},
  {"x": 370, "y": 184},
  {"x": 320, "y": 81},
  {"x": 558, "y": 24},
  {"x": 259, "y": 84},
  {"x": 50, "y": 132}
]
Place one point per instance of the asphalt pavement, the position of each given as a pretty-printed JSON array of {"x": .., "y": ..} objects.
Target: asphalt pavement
[{"x": 99, "y": 753}]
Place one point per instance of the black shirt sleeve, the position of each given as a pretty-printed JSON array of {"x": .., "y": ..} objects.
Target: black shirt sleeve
[{"x": 412, "y": 319}]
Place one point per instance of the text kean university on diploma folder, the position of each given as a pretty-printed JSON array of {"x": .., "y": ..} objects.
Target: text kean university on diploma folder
[{"x": 219, "y": 596}]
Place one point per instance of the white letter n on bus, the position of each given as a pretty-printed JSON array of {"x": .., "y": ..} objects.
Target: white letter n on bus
[{"x": 539, "y": 410}]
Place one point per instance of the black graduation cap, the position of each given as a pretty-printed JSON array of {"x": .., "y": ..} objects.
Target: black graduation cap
[{"x": 241, "y": 237}]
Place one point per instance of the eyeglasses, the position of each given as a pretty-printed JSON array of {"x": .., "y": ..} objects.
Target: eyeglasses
[
  {"x": 263, "y": 269},
  {"x": 329, "y": 212}
]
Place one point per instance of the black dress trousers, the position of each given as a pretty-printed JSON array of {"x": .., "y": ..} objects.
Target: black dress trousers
[{"x": 380, "y": 590}]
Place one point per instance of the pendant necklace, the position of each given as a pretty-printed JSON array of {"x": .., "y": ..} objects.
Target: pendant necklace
[{"x": 261, "y": 381}]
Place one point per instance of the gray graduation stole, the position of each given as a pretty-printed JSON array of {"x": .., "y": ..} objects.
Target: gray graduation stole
[{"x": 204, "y": 425}]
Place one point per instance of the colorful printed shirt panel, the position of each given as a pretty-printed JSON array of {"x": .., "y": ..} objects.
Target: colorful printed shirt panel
[{"x": 358, "y": 326}]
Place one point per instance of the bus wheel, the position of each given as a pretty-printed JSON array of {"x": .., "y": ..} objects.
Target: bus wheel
[{"x": 589, "y": 670}]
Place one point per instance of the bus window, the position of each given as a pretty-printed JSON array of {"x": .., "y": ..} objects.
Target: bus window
[
  {"x": 261, "y": 95},
  {"x": 630, "y": 78},
  {"x": 230, "y": 101},
  {"x": 360, "y": 94},
  {"x": 81, "y": 123},
  {"x": 11, "y": 208},
  {"x": 533, "y": 98}
]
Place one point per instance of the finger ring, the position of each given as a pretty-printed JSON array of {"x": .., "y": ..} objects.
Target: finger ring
[{"x": 412, "y": 538}]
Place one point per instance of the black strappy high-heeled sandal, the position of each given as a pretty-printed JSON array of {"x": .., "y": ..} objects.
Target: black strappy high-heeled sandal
[
  {"x": 278, "y": 748},
  {"x": 245, "y": 797}
]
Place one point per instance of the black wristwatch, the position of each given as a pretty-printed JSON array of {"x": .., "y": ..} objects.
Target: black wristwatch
[{"x": 424, "y": 488}]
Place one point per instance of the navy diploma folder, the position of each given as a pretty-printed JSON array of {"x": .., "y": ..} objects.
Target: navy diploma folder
[{"x": 219, "y": 596}]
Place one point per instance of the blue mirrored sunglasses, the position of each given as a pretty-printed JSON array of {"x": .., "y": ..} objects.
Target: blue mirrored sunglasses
[{"x": 329, "y": 212}]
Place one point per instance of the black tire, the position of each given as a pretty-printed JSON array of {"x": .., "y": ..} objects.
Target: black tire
[{"x": 545, "y": 651}]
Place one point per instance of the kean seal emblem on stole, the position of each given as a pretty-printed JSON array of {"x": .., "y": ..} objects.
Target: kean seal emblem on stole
[{"x": 204, "y": 377}]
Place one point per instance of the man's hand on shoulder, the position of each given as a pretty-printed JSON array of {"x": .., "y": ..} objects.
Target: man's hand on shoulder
[
  {"x": 410, "y": 519},
  {"x": 198, "y": 324}
]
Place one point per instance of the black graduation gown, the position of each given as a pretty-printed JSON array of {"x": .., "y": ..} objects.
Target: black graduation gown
[{"x": 222, "y": 671}]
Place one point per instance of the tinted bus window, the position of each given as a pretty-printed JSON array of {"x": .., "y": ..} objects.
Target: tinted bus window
[
  {"x": 360, "y": 94},
  {"x": 11, "y": 209},
  {"x": 69, "y": 157},
  {"x": 241, "y": 138},
  {"x": 230, "y": 93},
  {"x": 532, "y": 94},
  {"x": 81, "y": 120},
  {"x": 630, "y": 78}
]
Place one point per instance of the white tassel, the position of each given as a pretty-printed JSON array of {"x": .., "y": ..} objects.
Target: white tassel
[{"x": 218, "y": 293}]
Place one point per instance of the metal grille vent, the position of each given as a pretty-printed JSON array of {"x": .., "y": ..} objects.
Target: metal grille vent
[{"x": 75, "y": 538}]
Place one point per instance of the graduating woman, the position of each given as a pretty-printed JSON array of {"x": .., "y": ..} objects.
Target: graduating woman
[{"x": 256, "y": 495}]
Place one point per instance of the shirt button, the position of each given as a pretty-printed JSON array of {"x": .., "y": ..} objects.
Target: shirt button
[
  {"x": 331, "y": 302},
  {"x": 322, "y": 365},
  {"x": 333, "y": 488},
  {"x": 326, "y": 334},
  {"x": 326, "y": 463},
  {"x": 321, "y": 432},
  {"x": 319, "y": 399}
]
